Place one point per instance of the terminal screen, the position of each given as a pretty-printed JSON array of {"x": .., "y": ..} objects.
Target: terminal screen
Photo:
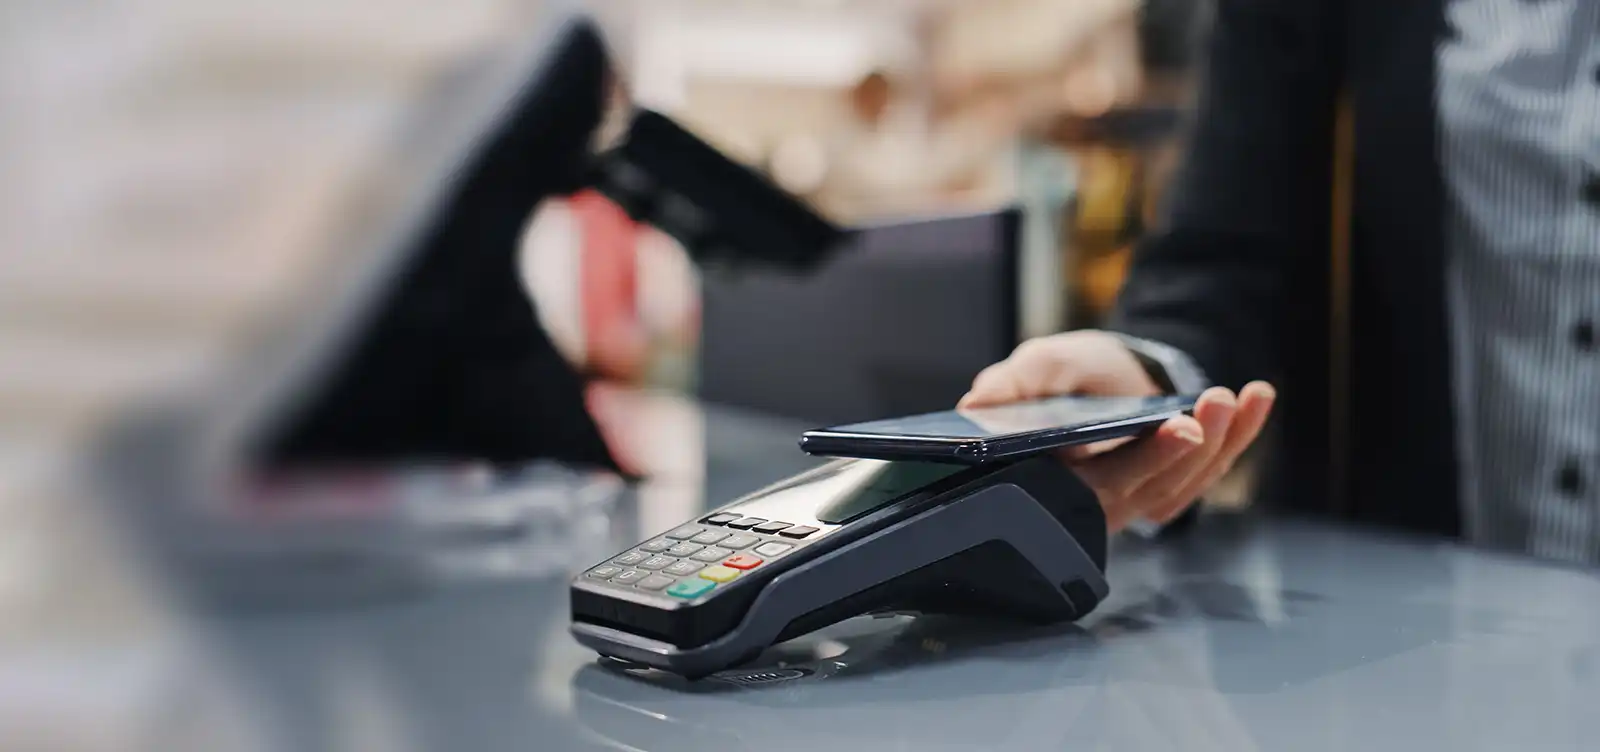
[{"x": 845, "y": 491}]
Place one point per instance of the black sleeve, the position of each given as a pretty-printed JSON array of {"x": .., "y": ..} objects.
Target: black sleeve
[{"x": 1251, "y": 203}]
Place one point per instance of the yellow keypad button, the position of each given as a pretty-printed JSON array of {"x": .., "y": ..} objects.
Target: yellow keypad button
[{"x": 720, "y": 574}]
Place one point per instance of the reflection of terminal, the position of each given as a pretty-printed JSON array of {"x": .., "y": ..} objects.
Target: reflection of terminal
[{"x": 865, "y": 683}]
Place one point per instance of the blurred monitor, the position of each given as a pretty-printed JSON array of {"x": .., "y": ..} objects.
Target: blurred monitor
[
  {"x": 899, "y": 321},
  {"x": 412, "y": 340}
]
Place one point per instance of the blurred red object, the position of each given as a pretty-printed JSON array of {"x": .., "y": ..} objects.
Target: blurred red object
[{"x": 615, "y": 342}]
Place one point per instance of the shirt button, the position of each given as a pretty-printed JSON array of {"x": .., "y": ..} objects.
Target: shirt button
[
  {"x": 1583, "y": 335},
  {"x": 1591, "y": 189},
  {"x": 1570, "y": 479}
]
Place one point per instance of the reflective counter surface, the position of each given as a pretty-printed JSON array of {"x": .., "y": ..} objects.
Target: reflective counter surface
[{"x": 1249, "y": 634}]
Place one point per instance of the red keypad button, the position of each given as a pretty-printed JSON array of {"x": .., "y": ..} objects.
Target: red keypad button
[{"x": 743, "y": 561}]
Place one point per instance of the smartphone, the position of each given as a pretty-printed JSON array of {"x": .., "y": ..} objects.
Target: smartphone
[{"x": 1003, "y": 432}]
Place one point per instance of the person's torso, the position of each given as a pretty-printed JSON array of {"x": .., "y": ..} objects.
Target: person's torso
[
  {"x": 1518, "y": 101},
  {"x": 1475, "y": 240}
]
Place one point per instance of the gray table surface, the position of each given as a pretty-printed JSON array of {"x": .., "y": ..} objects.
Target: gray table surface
[{"x": 1251, "y": 634}]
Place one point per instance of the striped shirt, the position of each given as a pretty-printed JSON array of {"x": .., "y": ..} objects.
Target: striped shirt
[
  {"x": 1519, "y": 117},
  {"x": 1518, "y": 98}
]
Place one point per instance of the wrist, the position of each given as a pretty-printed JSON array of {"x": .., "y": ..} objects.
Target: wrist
[{"x": 1172, "y": 370}]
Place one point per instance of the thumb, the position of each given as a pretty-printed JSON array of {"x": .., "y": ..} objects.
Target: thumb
[
  {"x": 1037, "y": 369},
  {"x": 995, "y": 385}
]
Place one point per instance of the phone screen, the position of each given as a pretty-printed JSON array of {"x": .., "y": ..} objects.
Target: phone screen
[{"x": 1015, "y": 418}]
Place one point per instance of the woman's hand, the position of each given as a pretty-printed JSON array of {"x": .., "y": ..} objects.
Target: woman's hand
[{"x": 1153, "y": 479}]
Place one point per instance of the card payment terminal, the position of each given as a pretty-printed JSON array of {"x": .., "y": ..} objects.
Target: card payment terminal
[{"x": 1024, "y": 539}]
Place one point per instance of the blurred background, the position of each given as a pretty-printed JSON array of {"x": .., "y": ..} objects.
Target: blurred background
[
  {"x": 169, "y": 165},
  {"x": 172, "y": 170}
]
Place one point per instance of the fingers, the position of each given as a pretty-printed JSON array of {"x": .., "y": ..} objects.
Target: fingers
[
  {"x": 1215, "y": 410},
  {"x": 1034, "y": 370},
  {"x": 1158, "y": 478},
  {"x": 993, "y": 386},
  {"x": 1085, "y": 451},
  {"x": 1116, "y": 475},
  {"x": 1255, "y": 406}
]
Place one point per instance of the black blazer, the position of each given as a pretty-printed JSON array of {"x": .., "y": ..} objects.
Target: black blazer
[{"x": 1238, "y": 273}]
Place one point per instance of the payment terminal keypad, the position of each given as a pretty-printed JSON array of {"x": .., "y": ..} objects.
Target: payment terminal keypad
[
  {"x": 737, "y": 542},
  {"x": 710, "y": 536},
  {"x": 629, "y": 577},
  {"x": 773, "y": 548},
  {"x": 683, "y": 568},
  {"x": 655, "y": 582},
  {"x": 685, "y": 549},
  {"x": 712, "y": 554},
  {"x": 631, "y": 559},
  {"x": 694, "y": 560}
]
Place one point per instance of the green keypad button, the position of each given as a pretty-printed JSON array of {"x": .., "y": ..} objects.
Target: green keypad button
[{"x": 691, "y": 588}]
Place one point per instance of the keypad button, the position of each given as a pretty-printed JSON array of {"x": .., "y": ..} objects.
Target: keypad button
[
  {"x": 629, "y": 577},
  {"x": 771, "y": 527},
  {"x": 605, "y": 572},
  {"x": 711, "y": 555},
  {"x": 773, "y": 549},
  {"x": 632, "y": 558},
  {"x": 684, "y": 533},
  {"x": 739, "y": 541},
  {"x": 722, "y": 518},
  {"x": 719, "y": 574},
  {"x": 710, "y": 536},
  {"x": 657, "y": 546},
  {"x": 655, "y": 582},
  {"x": 683, "y": 568},
  {"x": 797, "y": 532},
  {"x": 657, "y": 562},
  {"x": 691, "y": 588},
  {"x": 685, "y": 549},
  {"x": 746, "y": 523},
  {"x": 743, "y": 561}
]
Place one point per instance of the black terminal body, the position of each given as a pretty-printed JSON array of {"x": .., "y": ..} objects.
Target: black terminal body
[{"x": 1024, "y": 539}]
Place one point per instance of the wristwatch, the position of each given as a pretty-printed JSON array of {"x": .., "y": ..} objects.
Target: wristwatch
[{"x": 1172, "y": 369}]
